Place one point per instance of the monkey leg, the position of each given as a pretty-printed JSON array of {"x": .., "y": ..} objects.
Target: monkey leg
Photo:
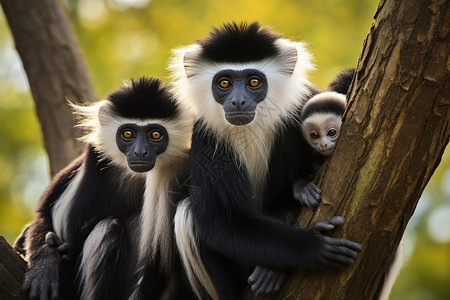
[{"x": 104, "y": 261}]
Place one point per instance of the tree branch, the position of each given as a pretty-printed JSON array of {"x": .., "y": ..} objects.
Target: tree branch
[{"x": 12, "y": 270}]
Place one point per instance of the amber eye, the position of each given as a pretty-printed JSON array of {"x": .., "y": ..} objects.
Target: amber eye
[
  {"x": 254, "y": 82},
  {"x": 156, "y": 135},
  {"x": 127, "y": 134},
  {"x": 314, "y": 135},
  {"x": 332, "y": 132},
  {"x": 224, "y": 83}
]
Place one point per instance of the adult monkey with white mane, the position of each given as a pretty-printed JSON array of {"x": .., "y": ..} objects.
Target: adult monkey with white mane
[
  {"x": 247, "y": 86},
  {"x": 134, "y": 168}
]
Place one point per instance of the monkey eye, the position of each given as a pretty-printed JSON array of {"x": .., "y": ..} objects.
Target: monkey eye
[
  {"x": 156, "y": 135},
  {"x": 314, "y": 135},
  {"x": 127, "y": 134},
  {"x": 254, "y": 82},
  {"x": 332, "y": 132},
  {"x": 224, "y": 83}
]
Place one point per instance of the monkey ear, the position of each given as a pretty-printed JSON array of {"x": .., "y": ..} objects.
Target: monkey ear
[
  {"x": 104, "y": 113},
  {"x": 190, "y": 59},
  {"x": 287, "y": 55}
]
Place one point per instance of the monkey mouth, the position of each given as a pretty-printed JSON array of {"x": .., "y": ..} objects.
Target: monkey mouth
[
  {"x": 239, "y": 118},
  {"x": 141, "y": 167},
  {"x": 327, "y": 152}
]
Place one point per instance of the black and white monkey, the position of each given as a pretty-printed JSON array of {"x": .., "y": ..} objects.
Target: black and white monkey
[
  {"x": 321, "y": 121},
  {"x": 247, "y": 86},
  {"x": 321, "y": 125},
  {"x": 131, "y": 173}
]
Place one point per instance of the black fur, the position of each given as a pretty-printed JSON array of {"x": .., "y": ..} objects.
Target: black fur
[
  {"x": 149, "y": 98},
  {"x": 90, "y": 205},
  {"x": 111, "y": 247},
  {"x": 239, "y": 43},
  {"x": 342, "y": 82},
  {"x": 323, "y": 106},
  {"x": 107, "y": 199},
  {"x": 233, "y": 234}
]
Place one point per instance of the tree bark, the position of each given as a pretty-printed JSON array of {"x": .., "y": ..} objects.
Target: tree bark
[
  {"x": 12, "y": 270},
  {"x": 55, "y": 69},
  {"x": 394, "y": 133}
]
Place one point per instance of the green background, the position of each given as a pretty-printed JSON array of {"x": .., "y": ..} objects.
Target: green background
[{"x": 121, "y": 39}]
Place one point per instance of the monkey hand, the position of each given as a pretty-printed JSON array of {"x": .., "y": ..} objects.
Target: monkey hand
[
  {"x": 42, "y": 278},
  {"x": 307, "y": 193},
  {"x": 328, "y": 225},
  {"x": 19, "y": 244},
  {"x": 336, "y": 253},
  {"x": 265, "y": 281},
  {"x": 54, "y": 241}
]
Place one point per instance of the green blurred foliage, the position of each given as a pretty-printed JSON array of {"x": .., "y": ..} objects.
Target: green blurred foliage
[{"x": 122, "y": 39}]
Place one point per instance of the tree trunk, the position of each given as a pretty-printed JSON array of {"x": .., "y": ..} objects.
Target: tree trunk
[
  {"x": 55, "y": 69},
  {"x": 394, "y": 133}
]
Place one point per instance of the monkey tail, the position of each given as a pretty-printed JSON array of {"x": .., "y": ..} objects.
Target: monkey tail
[
  {"x": 342, "y": 82},
  {"x": 187, "y": 246},
  {"x": 103, "y": 262},
  {"x": 389, "y": 277}
]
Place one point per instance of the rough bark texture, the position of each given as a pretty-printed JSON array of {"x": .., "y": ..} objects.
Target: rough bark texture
[
  {"x": 55, "y": 69},
  {"x": 12, "y": 270},
  {"x": 395, "y": 131}
]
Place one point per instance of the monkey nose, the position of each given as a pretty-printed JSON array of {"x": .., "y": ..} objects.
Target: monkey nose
[
  {"x": 140, "y": 154},
  {"x": 238, "y": 103}
]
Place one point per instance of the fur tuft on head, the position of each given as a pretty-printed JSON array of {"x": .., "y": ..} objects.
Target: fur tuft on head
[
  {"x": 239, "y": 43},
  {"x": 143, "y": 98},
  {"x": 141, "y": 101},
  {"x": 326, "y": 102}
]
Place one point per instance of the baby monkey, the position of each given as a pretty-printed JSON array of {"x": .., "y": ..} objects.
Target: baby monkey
[{"x": 321, "y": 121}]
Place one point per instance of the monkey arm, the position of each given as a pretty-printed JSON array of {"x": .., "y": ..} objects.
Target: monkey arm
[
  {"x": 42, "y": 249},
  {"x": 228, "y": 223}
]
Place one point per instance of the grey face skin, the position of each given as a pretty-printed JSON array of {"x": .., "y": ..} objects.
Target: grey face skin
[
  {"x": 142, "y": 144},
  {"x": 239, "y": 92}
]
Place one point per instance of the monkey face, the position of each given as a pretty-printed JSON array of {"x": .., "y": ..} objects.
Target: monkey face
[
  {"x": 239, "y": 93},
  {"x": 142, "y": 144},
  {"x": 323, "y": 135}
]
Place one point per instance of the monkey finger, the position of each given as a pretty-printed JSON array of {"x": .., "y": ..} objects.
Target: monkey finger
[
  {"x": 275, "y": 282},
  {"x": 323, "y": 226},
  {"x": 54, "y": 288},
  {"x": 315, "y": 188},
  {"x": 308, "y": 198},
  {"x": 20, "y": 250},
  {"x": 267, "y": 285},
  {"x": 52, "y": 239},
  {"x": 336, "y": 242},
  {"x": 65, "y": 257},
  {"x": 35, "y": 291},
  {"x": 343, "y": 252},
  {"x": 280, "y": 282},
  {"x": 257, "y": 287},
  {"x": 337, "y": 221},
  {"x": 255, "y": 275},
  {"x": 342, "y": 260},
  {"x": 64, "y": 247},
  {"x": 260, "y": 280}
]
